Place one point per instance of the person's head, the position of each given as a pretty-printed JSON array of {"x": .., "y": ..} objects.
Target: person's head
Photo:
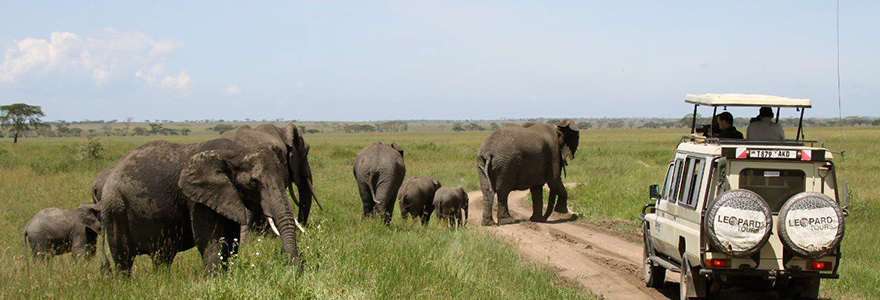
[
  {"x": 724, "y": 120},
  {"x": 765, "y": 113}
]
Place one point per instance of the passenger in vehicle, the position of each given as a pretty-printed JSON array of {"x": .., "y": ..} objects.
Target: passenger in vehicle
[
  {"x": 764, "y": 129},
  {"x": 725, "y": 124}
]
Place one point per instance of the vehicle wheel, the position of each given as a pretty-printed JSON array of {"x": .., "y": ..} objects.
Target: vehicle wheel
[
  {"x": 654, "y": 276},
  {"x": 738, "y": 223},
  {"x": 811, "y": 224}
]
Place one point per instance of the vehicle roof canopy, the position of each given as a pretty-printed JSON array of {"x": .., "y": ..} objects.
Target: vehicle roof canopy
[{"x": 745, "y": 100}]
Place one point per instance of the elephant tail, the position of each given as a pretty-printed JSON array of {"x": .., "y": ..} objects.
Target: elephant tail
[
  {"x": 374, "y": 181},
  {"x": 25, "y": 245},
  {"x": 485, "y": 169},
  {"x": 105, "y": 265}
]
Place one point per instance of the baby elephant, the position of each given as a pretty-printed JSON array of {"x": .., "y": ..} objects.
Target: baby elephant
[
  {"x": 416, "y": 198},
  {"x": 449, "y": 202},
  {"x": 54, "y": 231}
]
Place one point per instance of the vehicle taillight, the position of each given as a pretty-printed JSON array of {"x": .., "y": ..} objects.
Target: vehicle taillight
[
  {"x": 717, "y": 263},
  {"x": 820, "y": 266}
]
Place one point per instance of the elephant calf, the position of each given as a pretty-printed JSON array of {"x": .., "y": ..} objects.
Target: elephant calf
[
  {"x": 416, "y": 198},
  {"x": 379, "y": 172},
  {"x": 449, "y": 203},
  {"x": 54, "y": 231}
]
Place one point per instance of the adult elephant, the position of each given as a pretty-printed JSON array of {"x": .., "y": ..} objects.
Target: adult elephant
[
  {"x": 379, "y": 172},
  {"x": 526, "y": 157},
  {"x": 293, "y": 151},
  {"x": 163, "y": 198}
]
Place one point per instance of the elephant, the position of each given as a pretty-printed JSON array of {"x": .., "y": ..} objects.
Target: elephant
[
  {"x": 526, "y": 157},
  {"x": 379, "y": 171},
  {"x": 449, "y": 203},
  {"x": 292, "y": 150},
  {"x": 164, "y": 198},
  {"x": 416, "y": 198},
  {"x": 54, "y": 231}
]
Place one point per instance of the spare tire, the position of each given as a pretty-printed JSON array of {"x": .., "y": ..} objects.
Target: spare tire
[
  {"x": 810, "y": 224},
  {"x": 738, "y": 223}
]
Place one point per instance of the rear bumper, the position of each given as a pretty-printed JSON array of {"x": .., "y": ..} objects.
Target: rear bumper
[{"x": 765, "y": 273}]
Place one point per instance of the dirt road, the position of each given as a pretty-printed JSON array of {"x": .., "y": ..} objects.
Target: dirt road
[{"x": 604, "y": 264}]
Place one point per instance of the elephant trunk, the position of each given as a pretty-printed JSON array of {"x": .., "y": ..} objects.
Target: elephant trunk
[{"x": 277, "y": 206}]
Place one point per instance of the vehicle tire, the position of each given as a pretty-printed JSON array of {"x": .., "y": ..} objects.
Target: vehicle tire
[
  {"x": 738, "y": 223},
  {"x": 811, "y": 224},
  {"x": 654, "y": 276}
]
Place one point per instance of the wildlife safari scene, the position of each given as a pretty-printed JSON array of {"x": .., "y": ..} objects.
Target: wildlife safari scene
[{"x": 440, "y": 150}]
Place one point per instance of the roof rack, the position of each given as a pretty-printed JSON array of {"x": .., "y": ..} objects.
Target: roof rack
[
  {"x": 718, "y": 141},
  {"x": 725, "y": 100}
]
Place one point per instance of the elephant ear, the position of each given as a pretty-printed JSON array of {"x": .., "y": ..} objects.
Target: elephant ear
[
  {"x": 292, "y": 136},
  {"x": 397, "y": 147},
  {"x": 206, "y": 179},
  {"x": 569, "y": 135},
  {"x": 89, "y": 214},
  {"x": 436, "y": 182}
]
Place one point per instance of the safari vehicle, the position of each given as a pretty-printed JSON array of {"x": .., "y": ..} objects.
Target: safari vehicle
[{"x": 739, "y": 212}]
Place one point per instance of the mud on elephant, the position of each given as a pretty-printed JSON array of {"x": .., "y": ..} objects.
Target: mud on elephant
[{"x": 525, "y": 158}]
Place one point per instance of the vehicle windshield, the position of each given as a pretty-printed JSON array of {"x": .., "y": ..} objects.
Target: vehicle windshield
[{"x": 774, "y": 185}]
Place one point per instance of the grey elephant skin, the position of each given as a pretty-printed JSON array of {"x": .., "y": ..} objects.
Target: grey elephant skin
[
  {"x": 449, "y": 203},
  {"x": 525, "y": 158},
  {"x": 416, "y": 198},
  {"x": 292, "y": 150},
  {"x": 163, "y": 198},
  {"x": 379, "y": 171},
  {"x": 54, "y": 231}
]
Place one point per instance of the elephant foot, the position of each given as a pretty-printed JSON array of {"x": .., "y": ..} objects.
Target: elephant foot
[
  {"x": 538, "y": 219},
  {"x": 506, "y": 220},
  {"x": 561, "y": 209},
  {"x": 487, "y": 222}
]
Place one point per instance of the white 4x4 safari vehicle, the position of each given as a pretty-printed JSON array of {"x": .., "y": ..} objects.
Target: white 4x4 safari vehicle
[{"x": 740, "y": 212}]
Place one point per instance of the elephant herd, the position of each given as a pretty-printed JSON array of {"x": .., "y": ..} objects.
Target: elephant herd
[{"x": 163, "y": 198}]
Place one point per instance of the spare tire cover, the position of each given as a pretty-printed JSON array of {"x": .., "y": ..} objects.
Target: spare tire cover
[
  {"x": 738, "y": 222},
  {"x": 810, "y": 224}
]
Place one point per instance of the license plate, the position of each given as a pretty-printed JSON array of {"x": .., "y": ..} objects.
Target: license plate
[{"x": 785, "y": 154}]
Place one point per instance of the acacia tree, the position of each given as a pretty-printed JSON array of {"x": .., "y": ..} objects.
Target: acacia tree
[{"x": 19, "y": 117}]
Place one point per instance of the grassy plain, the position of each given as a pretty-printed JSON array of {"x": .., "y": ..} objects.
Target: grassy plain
[{"x": 350, "y": 258}]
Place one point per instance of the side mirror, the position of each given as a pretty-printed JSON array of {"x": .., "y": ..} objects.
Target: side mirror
[{"x": 654, "y": 190}]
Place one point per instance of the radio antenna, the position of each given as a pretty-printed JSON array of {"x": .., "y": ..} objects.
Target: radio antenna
[{"x": 839, "y": 102}]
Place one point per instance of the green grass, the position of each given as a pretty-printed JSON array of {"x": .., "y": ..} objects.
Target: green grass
[
  {"x": 350, "y": 258},
  {"x": 345, "y": 257}
]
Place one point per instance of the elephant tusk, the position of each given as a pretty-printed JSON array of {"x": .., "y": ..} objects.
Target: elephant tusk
[
  {"x": 301, "y": 229},
  {"x": 312, "y": 189},
  {"x": 272, "y": 225}
]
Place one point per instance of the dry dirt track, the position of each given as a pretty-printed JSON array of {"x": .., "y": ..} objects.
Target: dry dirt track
[{"x": 608, "y": 266}]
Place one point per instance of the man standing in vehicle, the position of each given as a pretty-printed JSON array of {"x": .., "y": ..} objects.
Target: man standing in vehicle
[
  {"x": 764, "y": 128},
  {"x": 727, "y": 130}
]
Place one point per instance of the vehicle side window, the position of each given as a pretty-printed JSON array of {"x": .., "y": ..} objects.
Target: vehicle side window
[
  {"x": 668, "y": 183},
  {"x": 673, "y": 183},
  {"x": 682, "y": 180},
  {"x": 695, "y": 180}
]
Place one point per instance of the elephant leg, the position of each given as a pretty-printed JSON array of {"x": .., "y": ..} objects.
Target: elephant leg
[
  {"x": 367, "y": 199},
  {"x": 562, "y": 203},
  {"x": 487, "y": 208},
  {"x": 79, "y": 247},
  {"x": 503, "y": 212},
  {"x": 210, "y": 234},
  {"x": 537, "y": 204},
  {"x": 426, "y": 214},
  {"x": 551, "y": 203},
  {"x": 120, "y": 249}
]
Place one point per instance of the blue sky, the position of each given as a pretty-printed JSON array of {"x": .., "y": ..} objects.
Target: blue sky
[{"x": 378, "y": 60}]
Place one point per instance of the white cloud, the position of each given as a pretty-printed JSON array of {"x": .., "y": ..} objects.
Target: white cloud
[
  {"x": 108, "y": 56},
  {"x": 232, "y": 90}
]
